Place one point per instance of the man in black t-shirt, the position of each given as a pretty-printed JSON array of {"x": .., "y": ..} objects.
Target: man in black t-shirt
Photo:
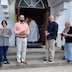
[{"x": 68, "y": 43}]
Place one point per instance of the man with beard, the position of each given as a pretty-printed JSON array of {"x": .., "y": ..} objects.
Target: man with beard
[{"x": 21, "y": 30}]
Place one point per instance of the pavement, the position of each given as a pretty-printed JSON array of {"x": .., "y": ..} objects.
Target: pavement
[
  {"x": 35, "y": 58},
  {"x": 42, "y": 69}
]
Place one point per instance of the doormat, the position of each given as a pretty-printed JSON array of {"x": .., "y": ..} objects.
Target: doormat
[{"x": 34, "y": 45}]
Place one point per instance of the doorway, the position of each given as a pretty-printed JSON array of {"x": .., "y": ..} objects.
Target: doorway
[
  {"x": 35, "y": 14},
  {"x": 35, "y": 9}
]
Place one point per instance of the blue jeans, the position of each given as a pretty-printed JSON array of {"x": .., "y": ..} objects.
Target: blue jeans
[
  {"x": 5, "y": 49},
  {"x": 68, "y": 51},
  {"x": 3, "y": 52}
]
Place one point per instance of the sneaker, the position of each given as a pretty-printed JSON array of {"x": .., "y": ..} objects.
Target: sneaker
[
  {"x": 25, "y": 62},
  {"x": 63, "y": 58},
  {"x": 68, "y": 61},
  {"x": 50, "y": 61},
  {"x": 6, "y": 62},
  {"x": 0, "y": 64},
  {"x": 45, "y": 59}
]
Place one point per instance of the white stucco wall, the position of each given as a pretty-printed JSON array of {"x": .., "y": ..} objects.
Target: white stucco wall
[{"x": 62, "y": 11}]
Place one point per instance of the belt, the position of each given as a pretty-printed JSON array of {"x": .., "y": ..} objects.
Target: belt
[{"x": 22, "y": 37}]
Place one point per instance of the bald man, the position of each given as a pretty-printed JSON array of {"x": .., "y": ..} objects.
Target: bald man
[
  {"x": 51, "y": 34},
  {"x": 21, "y": 30},
  {"x": 68, "y": 42}
]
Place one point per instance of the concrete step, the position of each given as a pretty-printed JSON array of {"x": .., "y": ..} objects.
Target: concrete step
[
  {"x": 34, "y": 64},
  {"x": 35, "y": 59},
  {"x": 32, "y": 51},
  {"x": 32, "y": 54}
]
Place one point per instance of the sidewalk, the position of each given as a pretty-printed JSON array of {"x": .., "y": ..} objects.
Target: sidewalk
[{"x": 42, "y": 69}]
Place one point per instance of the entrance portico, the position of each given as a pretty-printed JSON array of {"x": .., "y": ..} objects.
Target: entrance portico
[{"x": 35, "y": 9}]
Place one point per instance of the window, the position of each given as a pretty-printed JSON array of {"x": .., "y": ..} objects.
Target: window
[{"x": 31, "y": 4}]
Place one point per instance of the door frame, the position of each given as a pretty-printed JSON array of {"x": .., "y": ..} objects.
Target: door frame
[{"x": 47, "y": 13}]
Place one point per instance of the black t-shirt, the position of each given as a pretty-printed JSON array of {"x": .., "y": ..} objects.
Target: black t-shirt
[{"x": 69, "y": 39}]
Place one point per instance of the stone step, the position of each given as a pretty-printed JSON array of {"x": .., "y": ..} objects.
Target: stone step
[
  {"x": 35, "y": 64},
  {"x": 13, "y": 49},
  {"x": 32, "y": 54},
  {"x": 35, "y": 59},
  {"x": 33, "y": 51}
]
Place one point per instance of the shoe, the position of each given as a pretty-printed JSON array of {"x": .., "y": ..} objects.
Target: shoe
[
  {"x": 63, "y": 58},
  {"x": 18, "y": 63},
  {"x": 0, "y": 64},
  {"x": 68, "y": 61},
  {"x": 50, "y": 61},
  {"x": 45, "y": 59},
  {"x": 45, "y": 62},
  {"x": 6, "y": 62},
  {"x": 25, "y": 62}
]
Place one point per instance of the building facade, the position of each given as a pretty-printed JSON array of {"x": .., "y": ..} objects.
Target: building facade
[{"x": 61, "y": 9}]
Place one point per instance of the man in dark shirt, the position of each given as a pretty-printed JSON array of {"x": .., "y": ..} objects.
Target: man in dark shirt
[
  {"x": 51, "y": 34},
  {"x": 69, "y": 36},
  {"x": 68, "y": 43}
]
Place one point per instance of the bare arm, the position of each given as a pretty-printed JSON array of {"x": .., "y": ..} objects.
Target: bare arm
[
  {"x": 8, "y": 36},
  {"x": 65, "y": 34},
  {"x": 46, "y": 33},
  {"x": 70, "y": 35}
]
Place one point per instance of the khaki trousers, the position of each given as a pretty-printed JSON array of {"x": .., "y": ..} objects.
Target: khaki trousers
[{"x": 50, "y": 45}]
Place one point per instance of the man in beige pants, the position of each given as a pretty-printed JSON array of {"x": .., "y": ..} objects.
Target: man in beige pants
[{"x": 51, "y": 34}]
